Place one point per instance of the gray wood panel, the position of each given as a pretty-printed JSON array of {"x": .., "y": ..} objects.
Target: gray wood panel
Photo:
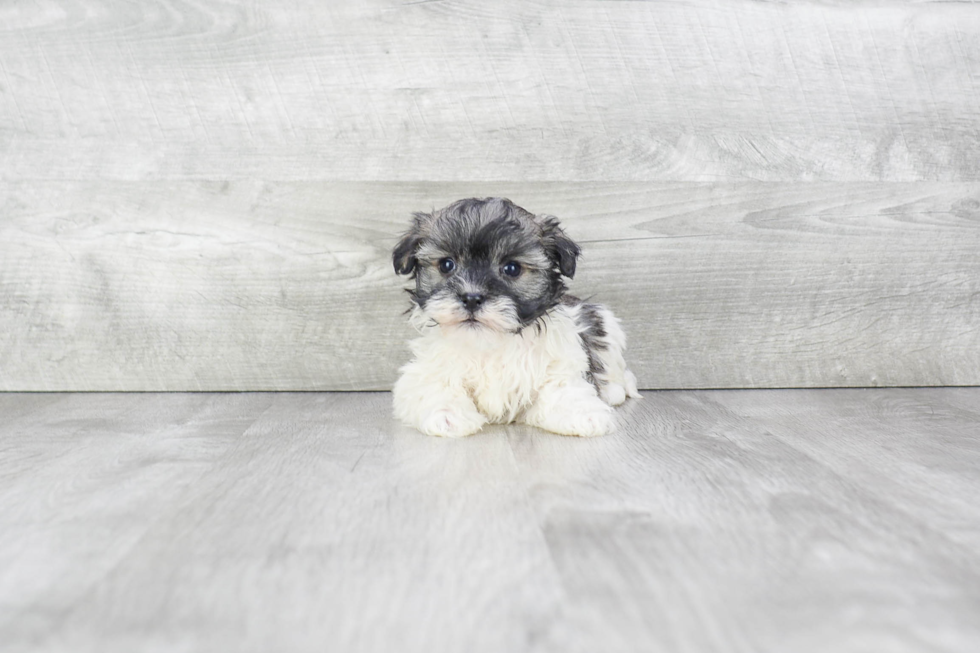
[
  {"x": 856, "y": 439},
  {"x": 289, "y": 286},
  {"x": 692, "y": 90},
  {"x": 710, "y": 529},
  {"x": 808, "y": 520},
  {"x": 84, "y": 478},
  {"x": 200, "y": 196}
]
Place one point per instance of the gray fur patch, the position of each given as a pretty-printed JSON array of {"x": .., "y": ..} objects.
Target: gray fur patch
[{"x": 592, "y": 333}]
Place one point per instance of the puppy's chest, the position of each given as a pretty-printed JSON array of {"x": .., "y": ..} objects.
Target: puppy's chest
[
  {"x": 503, "y": 375},
  {"x": 504, "y": 381}
]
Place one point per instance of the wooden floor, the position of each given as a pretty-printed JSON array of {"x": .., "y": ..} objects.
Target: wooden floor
[{"x": 816, "y": 520}]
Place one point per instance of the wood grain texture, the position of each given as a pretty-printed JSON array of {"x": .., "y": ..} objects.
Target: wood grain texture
[
  {"x": 711, "y": 529},
  {"x": 201, "y": 195},
  {"x": 289, "y": 286},
  {"x": 724, "y": 521},
  {"x": 84, "y": 478},
  {"x": 466, "y": 90},
  {"x": 857, "y": 441}
]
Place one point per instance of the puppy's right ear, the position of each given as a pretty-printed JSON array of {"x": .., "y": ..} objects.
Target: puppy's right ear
[{"x": 403, "y": 256}]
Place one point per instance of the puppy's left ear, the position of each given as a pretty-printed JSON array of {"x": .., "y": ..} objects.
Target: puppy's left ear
[
  {"x": 560, "y": 247},
  {"x": 403, "y": 256}
]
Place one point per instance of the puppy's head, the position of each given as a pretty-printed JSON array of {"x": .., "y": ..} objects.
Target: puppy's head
[{"x": 485, "y": 263}]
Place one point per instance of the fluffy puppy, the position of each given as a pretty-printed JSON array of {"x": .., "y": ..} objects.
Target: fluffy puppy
[{"x": 500, "y": 340}]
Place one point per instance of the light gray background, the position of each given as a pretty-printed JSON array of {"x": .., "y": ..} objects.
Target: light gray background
[{"x": 202, "y": 195}]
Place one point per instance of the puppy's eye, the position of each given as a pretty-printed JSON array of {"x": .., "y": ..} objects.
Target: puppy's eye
[
  {"x": 447, "y": 265},
  {"x": 512, "y": 269}
]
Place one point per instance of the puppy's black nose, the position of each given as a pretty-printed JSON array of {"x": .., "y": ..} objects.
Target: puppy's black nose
[{"x": 472, "y": 300}]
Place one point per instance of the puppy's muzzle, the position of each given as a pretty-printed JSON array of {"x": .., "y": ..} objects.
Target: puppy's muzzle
[{"x": 471, "y": 300}]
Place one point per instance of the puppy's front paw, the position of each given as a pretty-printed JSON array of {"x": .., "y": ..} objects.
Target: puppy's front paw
[
  {"x": 590, "y": 419},
  {"x": 452, "y": 422},
  {"x": 589, "y": 422}
]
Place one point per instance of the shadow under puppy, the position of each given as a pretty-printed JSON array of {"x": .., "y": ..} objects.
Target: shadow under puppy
[{"x": 500, "y": 340}]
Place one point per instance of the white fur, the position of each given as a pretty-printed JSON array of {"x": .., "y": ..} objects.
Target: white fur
[{"x": 465, "y": 375}]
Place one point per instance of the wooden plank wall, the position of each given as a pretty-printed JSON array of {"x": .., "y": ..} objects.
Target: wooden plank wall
[{"x": 202, "y": 195}]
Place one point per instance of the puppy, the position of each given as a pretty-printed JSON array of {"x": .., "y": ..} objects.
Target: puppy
[{"x": 500, "y": 340}]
